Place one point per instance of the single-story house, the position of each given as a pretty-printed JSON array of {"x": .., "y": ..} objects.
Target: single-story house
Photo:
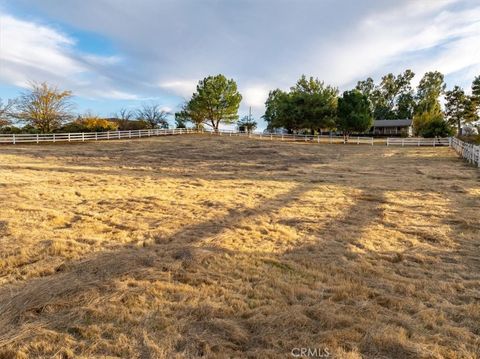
[{"x": 392, "y": 127}]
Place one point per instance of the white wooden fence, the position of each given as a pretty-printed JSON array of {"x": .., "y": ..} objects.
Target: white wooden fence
[
  {"x": 467, "y": 150},
  {"x": 299, "y": 138},
  {"x": 419, "y": 141},
  {"x": 89, "y": 136},
  {"x": 116, "y": 135}
]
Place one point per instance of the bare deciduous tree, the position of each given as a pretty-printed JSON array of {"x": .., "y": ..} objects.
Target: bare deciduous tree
[
  {"x": 5, "y": 112},
  {"x": 124, "y": 114},
  {"x": 44, "y": 107},
  {"x": 123, "y": 118},
  {"x": 153, "y": 115}
]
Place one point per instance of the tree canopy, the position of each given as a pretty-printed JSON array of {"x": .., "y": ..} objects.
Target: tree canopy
[
  {"x": 393, "y": 98},
  {"x": 476, "y": 88},
  {"x": 354, "y": 112},
  {"x": 429, "y": 90},
  {"x": 5, "y": 112},
  {"x": 44, "y": 107},
  {"x": 310, "y": 104},
  {"x": 215, "y": 101},
  {"x": 456, "y": 107}
]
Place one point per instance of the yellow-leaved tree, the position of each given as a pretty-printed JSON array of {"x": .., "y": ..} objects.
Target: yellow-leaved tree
[
  {"x": 93, "y": 123},
  {"x": 44, "y": 107}
]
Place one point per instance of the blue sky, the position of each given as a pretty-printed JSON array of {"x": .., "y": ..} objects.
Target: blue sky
[{"x": 121, "y": 53}]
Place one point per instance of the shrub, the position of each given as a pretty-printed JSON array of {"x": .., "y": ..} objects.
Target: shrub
[
  {"x": 132, "y": 125},
  {"x": 96, "y": 124},
  {"x": 431, "y": 124},
  {"x": 475, "y": 139},
  {"x": 436, "y": 128},
  {"x": 10, "y": 130},
  {"x": 89, "y": 124}
]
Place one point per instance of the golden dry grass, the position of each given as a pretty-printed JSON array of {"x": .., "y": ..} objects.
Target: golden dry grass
[{"x": 228, "y": 247}]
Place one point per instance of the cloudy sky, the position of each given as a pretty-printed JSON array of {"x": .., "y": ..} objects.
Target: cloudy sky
[{"x": 120, "y": 53}]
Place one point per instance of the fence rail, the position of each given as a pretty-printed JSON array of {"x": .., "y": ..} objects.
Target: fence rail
[
  {"x": 302, "y": 138},
  {"x": 116, "y": 135},
  {"x": 418, "y": 141},
  {"x": 89, "y": 136},
  {"x": 467, "y": 150}
]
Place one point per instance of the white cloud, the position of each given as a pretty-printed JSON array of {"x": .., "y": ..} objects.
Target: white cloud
[
  {"x": 183, "y": 88},
  {"x": 34, "y": 52},
  {"x": 102, "y": 60},
  {"x": 255, "y": 96},
  {"x": 422, "y": 36},
  {"x": 29, "y": 51},
  {"x": 112, "y": 94}
]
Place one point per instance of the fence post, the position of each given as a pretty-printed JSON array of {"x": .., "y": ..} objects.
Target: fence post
[
  {"x": 358, "y": 140},
  {"x": 38, "y": 138},
  {"x": 318, "y": 138},
  {"x": 108, "y": 135},
  {"x": 96, "y": 136},
  {"x": 449, "y": 142},
  {"x": 119, "y": 135},
  {"x": 69, "y": 137},
  {"x": 13, "y": 138},
  {"x": 388, "y": 143},
  {"x": 53, "y": 138},
  {"x": 83, "y": 136}
]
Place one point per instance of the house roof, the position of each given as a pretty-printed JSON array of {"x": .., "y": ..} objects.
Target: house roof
[{"x": 392, "y": 123}]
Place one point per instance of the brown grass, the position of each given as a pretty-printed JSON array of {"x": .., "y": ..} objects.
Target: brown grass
[{"x": 227, "y": 247}]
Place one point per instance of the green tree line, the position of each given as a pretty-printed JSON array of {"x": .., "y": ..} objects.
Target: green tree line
[{"x": 311, "y": 105}]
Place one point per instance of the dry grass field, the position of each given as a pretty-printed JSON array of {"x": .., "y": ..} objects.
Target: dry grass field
[{"x": 227, "y": 247}]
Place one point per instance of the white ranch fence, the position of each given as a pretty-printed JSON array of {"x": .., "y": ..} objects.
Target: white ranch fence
[
  {"x": 467, "y": 150},
  {"x": 298, "y": 138},
  {"x": 89, "y": 136},
  {"x": 419, "y": 141},
  {"x": 117, "y": 135}
]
